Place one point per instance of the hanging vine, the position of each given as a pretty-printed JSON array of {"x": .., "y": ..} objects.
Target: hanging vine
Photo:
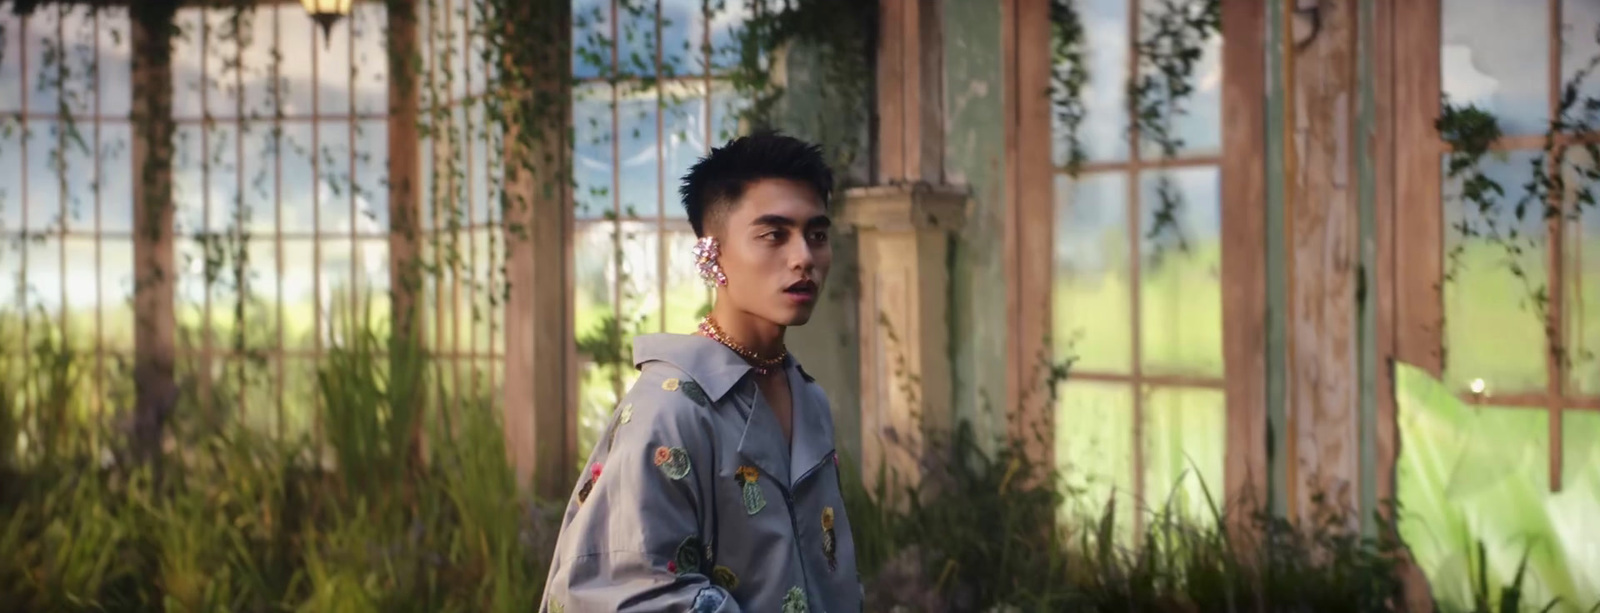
[
  {"x": 1069, "y": 74},
  {"x": 1491, "y": 217},
  {"x": 1177, "y": 33}
]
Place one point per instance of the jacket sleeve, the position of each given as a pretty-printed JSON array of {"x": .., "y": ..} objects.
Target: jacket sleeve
[{"x": 638, "y": 539}]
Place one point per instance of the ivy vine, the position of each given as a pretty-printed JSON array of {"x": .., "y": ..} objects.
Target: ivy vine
[
  {"x": 1472, "y": 134},
  {"x": 1161, "y": 90},
  {"x": 1069, "y": 74}
]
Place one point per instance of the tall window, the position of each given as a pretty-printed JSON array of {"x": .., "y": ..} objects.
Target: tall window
[
  {"x": 281, "y": 218},
  {"x": 648, "y": 103},
  {"x": 1137, "y": 303},
  {"x": 463, "y": 240},
  {"x": 1522, "y": 320},
  {"x": 66, "y": 218}
]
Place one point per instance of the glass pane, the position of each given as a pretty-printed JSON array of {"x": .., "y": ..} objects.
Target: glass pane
[
  {"x": 298, "y": 38},
  {"x": 330, "y": 55},
  {"x": 369, "y": 71},
  {"x": 592, "y": 132},
  {"x": 1092, "y": 300},
  {"x": 256, "y": 59},
  {"x": 11, "y": 59},
  {"x": 637, "y": 156},
  {"x": 687, "y": 296},
  {"x": 1185, "y": 433},
  {"x": 641, "y": 278},
  {"x": 1493, "y": 328},
  {"x": 77, "y": 162},
  {"x": 116, "y": 65},
  {"x": 1197, "y": 124},
  {"x": 726, "y": 107},
  {"x": 591, "y": 38},
  {"x": 44, "y": 180},
  {"x": 44, "y": 271},
  {"x": 116, "y": 293},
  {"x": 683, "y": 141},
  {"x": 477, "y": 165},
  {"x": 13, "y": 165},
  {"x": 1583, "y": 302},
  {"x": 597, "y": 397},
  {"x": 1094, "y": 449},
  {"x": 487, "y": 293},
  {"x": 1579, "y": 46},
  {"x": 682, "y": 38},
  {"x": 1181, "y": 276},
  {"x": 116, "y": 177},
  {"x": 79, "y": 287},
  {"x": 1103, "y": 132},
  {"x": 298, "y": 183},
  {"x": 1495, "y": 54},
  {"x": 594, "y": 278},
  {"x": 12, "y": 293},
  {"x": 335, "y": 199},
  {"x": 188, "y": 177},
  {"x": 728, "y": 19},
  {"x": 298, "y": 283},
  {"x": 371, "y": 180},
  {"x": 261, "y": 293},
  {"x": 221, "y": 53},
  {"x": 188, "y": 65},
  {"x": 636, "y": 39},
  {"x": 41, "y": 43},
  {"x": 77, "y": 27},
  {"x": 1581, "y": 239},
  {"x": 1580, "y": 447},
  {"x": 222, "y": 157}
]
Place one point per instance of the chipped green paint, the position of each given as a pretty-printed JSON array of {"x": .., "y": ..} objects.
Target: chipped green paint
[
  {"x": 975, "y": 157},
  {"x": 1277, "y": 362}
]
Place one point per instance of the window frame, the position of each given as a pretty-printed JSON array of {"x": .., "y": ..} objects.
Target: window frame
[{"x": 1419, "y": 271}]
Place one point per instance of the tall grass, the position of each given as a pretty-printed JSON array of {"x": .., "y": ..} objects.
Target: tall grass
[{"x": 400, "y": 509}]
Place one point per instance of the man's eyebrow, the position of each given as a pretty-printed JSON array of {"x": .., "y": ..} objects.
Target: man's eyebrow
[{"x": 779, "y": 221}]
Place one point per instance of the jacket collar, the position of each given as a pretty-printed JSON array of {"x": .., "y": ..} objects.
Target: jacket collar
[{"x": 718, "y": 370}]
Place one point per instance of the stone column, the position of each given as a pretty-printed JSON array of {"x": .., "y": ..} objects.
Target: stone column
[{"x": 903, "y": 232}]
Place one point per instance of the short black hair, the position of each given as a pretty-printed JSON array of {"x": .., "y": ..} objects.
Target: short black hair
[{"x": 718, "y": 180}]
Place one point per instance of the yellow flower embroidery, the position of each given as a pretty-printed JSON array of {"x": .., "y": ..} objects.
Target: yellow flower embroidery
[
  {"x": 748, "y": 474},
  {"x": 827, "y": 518},
  {"x": 670, "y": 385}
]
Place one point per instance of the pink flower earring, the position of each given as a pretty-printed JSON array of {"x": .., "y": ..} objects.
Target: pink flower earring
[{"x": 706, "y": 253}]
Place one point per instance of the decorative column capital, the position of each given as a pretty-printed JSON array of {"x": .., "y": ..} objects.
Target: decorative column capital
[{"x": 905, "y": 207}]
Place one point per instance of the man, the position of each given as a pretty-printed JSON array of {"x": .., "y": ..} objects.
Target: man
[{"x": 716, "y": 485}]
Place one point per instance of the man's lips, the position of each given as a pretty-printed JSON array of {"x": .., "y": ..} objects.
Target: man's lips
[{"x": 801, "y": 288}]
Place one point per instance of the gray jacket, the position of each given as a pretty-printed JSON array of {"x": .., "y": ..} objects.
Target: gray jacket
[{"x": 691, "y": 501}]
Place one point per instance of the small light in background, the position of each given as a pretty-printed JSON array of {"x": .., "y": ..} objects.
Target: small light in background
[
  {"x": 1478, "y": 386},
  {"x": 326, "y": 13}
]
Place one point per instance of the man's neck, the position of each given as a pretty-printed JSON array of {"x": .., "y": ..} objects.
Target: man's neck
[{"x": 755, "y": 334}]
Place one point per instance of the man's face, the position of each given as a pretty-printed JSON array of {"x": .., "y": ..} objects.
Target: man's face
[{"x": 775, "y": 251}]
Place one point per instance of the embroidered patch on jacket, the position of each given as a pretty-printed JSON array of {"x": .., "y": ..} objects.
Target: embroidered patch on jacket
[
  {"x": 673, "y": 461},
  {"x": 724, "y": 578},
  {"x": 588, "y": 486},
  {"x": 695, "y": 393},
  {"x": 555, "y": 607},
  {"x": 627, "y": 414},
  {"x": 688, "y": 558},
  {"x": 670, "y": 385},
  {"x": 708, "y": 600},
  {"x": 795, "y": 601},
  {"x": 754, "y": 500},
  {"x": 830, "y": 544}
]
